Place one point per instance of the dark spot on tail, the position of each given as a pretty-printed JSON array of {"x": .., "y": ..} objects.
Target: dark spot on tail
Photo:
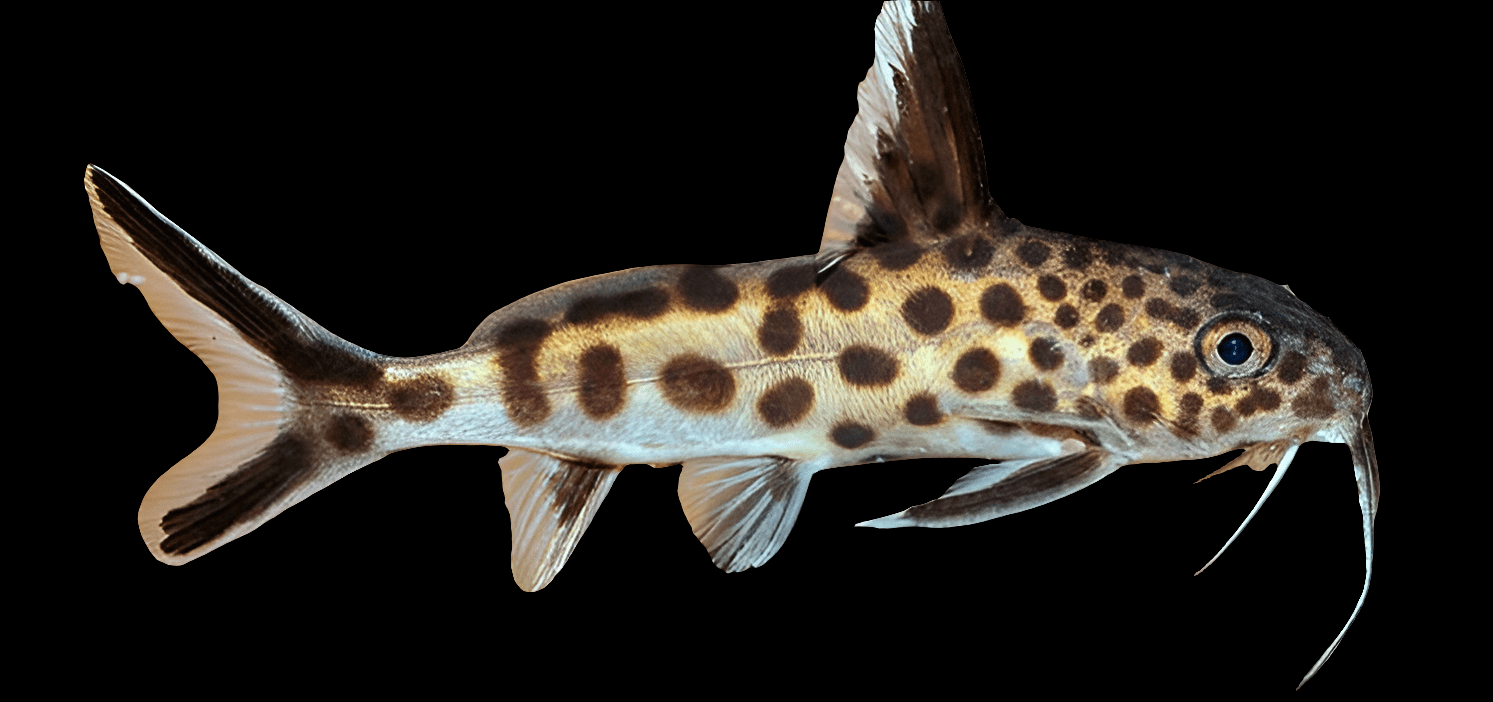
[
  {"x": 977, "y": 370},
  {"x": 245, "y": 494},
  {"x": 1033, "y": 253},
  {"x": 603, "y": 389},
  {"x": 421, "y": 399},
  {"x": 780, "y": 332},
  {"x": 1141, "y": 404},
  {"x": 349, "y": 433},
  {"x": 867, "y": 366},
  {"x": 922, "y": 410},
  {"x": 846, "y": 290},
  {"x": 693, "y": 382},
  {"x": 1045, "y": 353},
  {"x": 852, "y": 435},
  {"x": 1002, "y": 305},
  {"x": 789, "y": 282},
  {"x": 1035, "y": 395},
  {"x": 928, "y": 311},
  {"x": 703, "y": 288},
  {"x": 786, "y": 402},
  {"x": 518, "y": 345}
]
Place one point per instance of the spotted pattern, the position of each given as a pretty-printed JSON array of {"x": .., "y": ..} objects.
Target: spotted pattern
[
  {"x": 645, "y": 303},
  {"x": 603, "y": 388},
  {"x": 781, "y": 331},
  {"x": 1218, "y": 386},
  {"x": 518, "y": 346},
  {"x": 846, "y": 290},
  {"x": 703, "y": 288},
  {"x": 789, "y": 282},
  {"x": 349, "y": 433},
  {"x": 1033, "y": 253},
  {"x": 1190, "y": 406},
  {"x": 1291, "y": 368},
  {"x": 922, "y": 410},
  {"x": 928, "y": 311},
  {"x": 1078, "y": 256},
  {"x": 1258, "y": 400},
  {"x": 1183, "y": 365},
  {"x": 786, "y": 403},
  {"x": 1183, "y": 285},
  {"x": 897, "y": 255},
  {"x": 421, "y": 399},
  {"x": 697, "y": 384},
  {"x": 1315, "y": 402},
  {"x": 969, "y": 253},
  {"x": 1045, "y": 353},
  {"x": 1222, "y": 419},
  {"x": 1034, "y": 395},
  {"x": 1109, "y": 319},
  {"x": 1132, "y": 287},
  {"x": 977, "y": 370},
  {"x": 1066, "y": 317},
  {"x": 1140, "y": 404},
  {"x": 1144, "y": 352},
  {"x": 867, "y": 366},
  {"x": 1164, "y": 310},
  {"x": 1002, "y": 305},
  {"x": 1052, "y": 287},
  {"x": 852, "y": 435},
  {"x": 1094, "y": 290}
]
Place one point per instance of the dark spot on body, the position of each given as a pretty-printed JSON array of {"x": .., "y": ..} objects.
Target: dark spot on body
[
  {"x": 897, "y": 255},
  {"x": 928, "y": 311},
  {"x": 969, "y": 253},
  {"x": 1258, "y": 400},
  {"x": 703, "y": 288},
  {"x": 518, "y": 345},
  {"x": 1180, "y": 316},
  {"x": 349, "y": 433},
  {"x": 1183, "y": 285},
  {"x": 1140, "y": 404},
  {"x": 645, "y": 303},
  {"x": 1132, "y": 287},
  {"x": 421, "y": 399},
  {"x": 603, "y": 388},
  {"x": 789, "y": 282},
  {"x": 1222, "y": 419},
  {"x": 1190, "y": 405},
  {"x": 977, "y": 370},
  {"x": 1052, "y": 287},
  {"x": 1218, "y": 386},
  {"x": 852, "y": 435},
  {"x": 1078, "y": 256},
  {"x": 698, "y": 384},
  {"x": 1315, "y": 402},
  {"x": 1033, "y": 253},
  {"x": 1292, "y": 367},
  {"x": 786, "y": 402},
  {"x": 1183, "y": 366},
  {"x": 1103, "y": 370},
  {"x": 1002, "y": 305},
  {"x": 1034, "y": 395},
  {"x": 1066, "y": 317},
  {"x": 1109, "y": 319},
  {"x": 866, "y": 366},
  {"x": 1045, "y": 353},
  {"x": 1094, "y": 290},
  {"x": 846, "y": 290},
  {"x": 922, "y": 410},
  {"x": 780, "y": 332},
  {"x": 1144, "y": 352}
]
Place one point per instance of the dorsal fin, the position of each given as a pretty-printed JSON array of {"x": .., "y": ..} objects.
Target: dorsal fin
[
  {"x": 914, "y": 167},
  {"x": 550, "y": 503}
]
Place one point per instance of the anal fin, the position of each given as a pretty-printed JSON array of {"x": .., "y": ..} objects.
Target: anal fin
[
  {"x": 1000, "y": 489},
  {"x": 741, "y": 509},
  {"x": 550, "y": 503}
]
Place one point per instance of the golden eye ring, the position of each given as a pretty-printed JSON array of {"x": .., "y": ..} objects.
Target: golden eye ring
[{"x": 1235, "y": 345}]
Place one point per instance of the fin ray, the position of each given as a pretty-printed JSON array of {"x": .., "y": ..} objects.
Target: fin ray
[
  {"x": 551, "y": 502},
  {"x": 742, "y": 509}
]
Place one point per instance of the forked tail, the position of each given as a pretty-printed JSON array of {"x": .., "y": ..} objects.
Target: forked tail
[{"x": 275, "y": 442}]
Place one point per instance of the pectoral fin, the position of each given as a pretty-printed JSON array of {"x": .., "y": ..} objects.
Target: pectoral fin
[
  {"x": 741, "y": 509},
  {"x": 1005, "y": 488},
  {"x": 550, "y": 503}
]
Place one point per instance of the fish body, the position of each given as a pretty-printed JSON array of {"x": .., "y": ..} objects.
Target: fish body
[{"x": 942, "y": 328}]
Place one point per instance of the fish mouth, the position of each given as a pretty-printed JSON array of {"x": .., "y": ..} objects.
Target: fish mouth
[{"x": 1366, "y": 474}]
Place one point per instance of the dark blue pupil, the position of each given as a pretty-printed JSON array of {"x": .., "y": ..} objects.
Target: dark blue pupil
[{"x": 1235, "y": 349}]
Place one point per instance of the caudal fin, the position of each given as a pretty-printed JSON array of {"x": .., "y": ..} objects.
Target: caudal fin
[{"x": 271, "y": 447}]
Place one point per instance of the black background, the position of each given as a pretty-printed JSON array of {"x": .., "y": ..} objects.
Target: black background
[{"x": 399, "y": 178}]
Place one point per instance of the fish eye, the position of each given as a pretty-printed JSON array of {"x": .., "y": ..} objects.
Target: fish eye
[
  {"x": 1235, "y": 349},
  {"x": 1235, "y": 345}
]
